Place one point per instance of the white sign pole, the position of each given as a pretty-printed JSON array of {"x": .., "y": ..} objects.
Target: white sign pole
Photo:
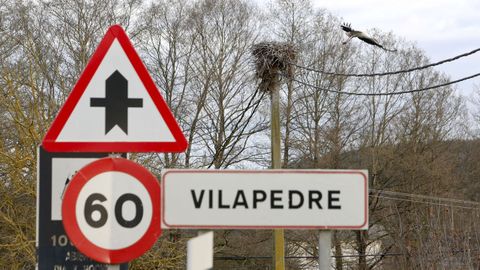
[
  {"x": 200, "y": 252},
  {"x": 324, "y": 249}
]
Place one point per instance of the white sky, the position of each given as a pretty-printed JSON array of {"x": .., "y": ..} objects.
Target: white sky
[{"x": 442, "y": 28}]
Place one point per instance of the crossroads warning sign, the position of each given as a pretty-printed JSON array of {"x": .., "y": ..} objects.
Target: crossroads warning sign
[{"x": 115, "y": 106}]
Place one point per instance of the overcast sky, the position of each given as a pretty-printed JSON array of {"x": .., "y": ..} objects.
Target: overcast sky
[{"x": 442, "y": 28}]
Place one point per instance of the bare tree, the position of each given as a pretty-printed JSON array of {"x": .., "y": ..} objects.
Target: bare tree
[
  {"x": 33, "y": 84},
  {"x": 167, "y": 43},
  {"x": 198, "y": 52},
  {"x": 226, "y": 31},
  {"x": 290, "y": 22}
]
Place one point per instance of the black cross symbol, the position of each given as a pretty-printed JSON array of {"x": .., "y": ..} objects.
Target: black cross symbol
[{"x": 116, "y": 102}]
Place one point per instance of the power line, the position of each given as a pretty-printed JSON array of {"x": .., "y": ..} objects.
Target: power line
[
  {"x": 424, "y": 202},
  {"x": 387, "y": 93},
  {"x": 243, "y": 258},
  {"x": 388, "y": 72},
  {"x": 424, "y": 196}
]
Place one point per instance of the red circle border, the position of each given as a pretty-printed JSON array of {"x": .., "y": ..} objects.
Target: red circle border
[{"x": 70, "y": 223}]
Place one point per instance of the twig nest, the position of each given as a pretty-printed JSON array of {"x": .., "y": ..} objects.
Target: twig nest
[{"x": 270, "y": 59}]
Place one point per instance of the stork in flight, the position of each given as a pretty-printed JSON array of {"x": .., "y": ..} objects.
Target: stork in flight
[{"x": 351, "y": 33}]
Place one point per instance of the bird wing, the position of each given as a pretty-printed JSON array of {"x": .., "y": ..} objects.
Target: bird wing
[
  {"x": 346, "y": 27},
  {"x": 362, "y": 36},
  {"x": 370, "y": 40}
]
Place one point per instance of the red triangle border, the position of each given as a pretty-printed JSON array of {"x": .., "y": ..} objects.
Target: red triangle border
[{"x": 50, "y": 140}]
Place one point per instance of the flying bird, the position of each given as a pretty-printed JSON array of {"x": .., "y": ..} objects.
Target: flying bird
[{"x": 351, "y": 33}]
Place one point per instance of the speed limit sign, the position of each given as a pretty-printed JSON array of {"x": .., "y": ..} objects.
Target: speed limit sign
[{"x": 111, "y": 210}]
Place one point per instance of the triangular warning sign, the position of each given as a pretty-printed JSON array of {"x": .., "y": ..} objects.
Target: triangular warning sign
[{"x": 115, "y": 106}]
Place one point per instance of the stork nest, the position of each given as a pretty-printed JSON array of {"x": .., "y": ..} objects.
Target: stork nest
[{"x": 272, "y": 58}]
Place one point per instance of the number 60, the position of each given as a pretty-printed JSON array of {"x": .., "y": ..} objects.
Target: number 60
[{"x": 91, "y": 207}]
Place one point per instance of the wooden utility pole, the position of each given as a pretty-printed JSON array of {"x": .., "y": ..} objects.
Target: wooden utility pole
[
  {"x": 271, "y": 59},
  {"x": 278, "y": 234}
]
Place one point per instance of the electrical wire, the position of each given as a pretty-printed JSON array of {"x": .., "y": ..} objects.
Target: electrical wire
[
  {"x": 242, "y": 258},
  {"x": 390, "y": 192},
  {"x": 424, "y": 202},
  {"x": 387, "y": 93},
  {"x": 389, "y": 72}
]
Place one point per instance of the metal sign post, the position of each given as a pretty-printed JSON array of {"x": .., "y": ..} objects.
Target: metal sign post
[
  {"x": 200, "y": 252},
  {"x": 324, "y": 249}
]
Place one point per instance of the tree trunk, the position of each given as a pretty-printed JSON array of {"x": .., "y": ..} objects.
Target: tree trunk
[
  {"x": 338, "y": 251},
  {"x": 362, "y": 249}
]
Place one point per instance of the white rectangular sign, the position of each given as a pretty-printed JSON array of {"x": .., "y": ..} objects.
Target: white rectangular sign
[
  {"x": 200, "y": 252},
  {"x": 325, "y": 199}
]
